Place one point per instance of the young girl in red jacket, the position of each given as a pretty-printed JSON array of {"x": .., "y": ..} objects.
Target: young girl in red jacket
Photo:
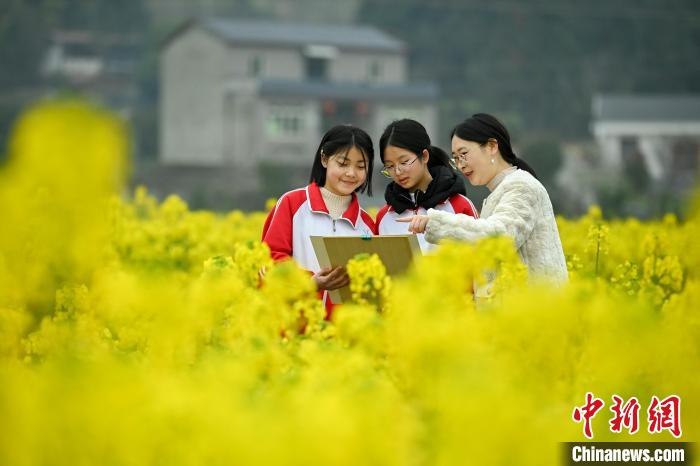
[
  {"x": 328, "y": 206},
  {"x": 422, "y": 178}
]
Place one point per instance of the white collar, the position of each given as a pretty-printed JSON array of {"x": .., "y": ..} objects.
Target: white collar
[{"x": 496, "y": 180}]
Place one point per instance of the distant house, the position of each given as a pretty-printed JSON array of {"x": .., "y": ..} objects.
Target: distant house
[
  {"x": 99, "y": 65},
  {"x": 248, "y": 97},
  {"x": 659, "y": 133}
]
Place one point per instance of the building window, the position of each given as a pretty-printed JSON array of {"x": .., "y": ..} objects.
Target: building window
[
  {"x": 255, "y": 66},
  {"x": 375, "y": 71},
  {"x": 316, "y": 68},
  {"x": 635, "y": 166},
  {"x": 285, "y": 120},
  {"x": 685, "y": 162},
  {"x": 685, "y": 153},
  {"x": 630, "y": 148},
  {"x": 317, "y": 59}
]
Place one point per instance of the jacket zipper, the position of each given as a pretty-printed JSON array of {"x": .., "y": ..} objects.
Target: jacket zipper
[{"x": 408, "y": 198}]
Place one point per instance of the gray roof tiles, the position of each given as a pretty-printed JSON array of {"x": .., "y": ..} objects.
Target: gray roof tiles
[
  {"x": 646, "y": 108},
  {"x": 270, "y": 32}
]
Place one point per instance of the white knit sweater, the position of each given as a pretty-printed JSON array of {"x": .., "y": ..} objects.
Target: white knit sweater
[{"x": 519, "y": 207}]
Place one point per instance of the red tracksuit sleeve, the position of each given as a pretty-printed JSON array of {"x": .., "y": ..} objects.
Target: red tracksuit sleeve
[
  {"x": 278, "y": 230},
  {"x": 462, "y": 205}
]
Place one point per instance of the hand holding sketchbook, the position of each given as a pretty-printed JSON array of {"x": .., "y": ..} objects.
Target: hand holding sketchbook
[{"x": 395, "y": 251}]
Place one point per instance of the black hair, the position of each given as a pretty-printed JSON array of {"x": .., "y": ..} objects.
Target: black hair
[
  {"x": 340, "y": 139},
  {"x": 481, "y": 127},
  {"x": 410, "y": 135}
]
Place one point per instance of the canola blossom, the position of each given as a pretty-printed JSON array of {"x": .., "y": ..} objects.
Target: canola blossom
[{"x": 139, "y": 332}]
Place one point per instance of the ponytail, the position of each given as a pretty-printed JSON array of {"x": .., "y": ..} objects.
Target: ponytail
[
  {"x": 523, "y": 165},
  {"x": 439, "y": 158},
  {"x": 410, "y": 135}
]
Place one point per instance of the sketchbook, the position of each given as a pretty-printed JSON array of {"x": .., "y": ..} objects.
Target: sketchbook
[{"x": 395, "y": 251}]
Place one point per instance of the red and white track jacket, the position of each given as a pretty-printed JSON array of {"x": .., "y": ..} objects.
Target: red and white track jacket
[
  {"x": 300, "y": 214},
  {"x": 387, "y": 224}
]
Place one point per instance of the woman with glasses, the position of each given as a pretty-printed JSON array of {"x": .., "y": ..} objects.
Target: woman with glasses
[
  {"x": 421, "y": 176},
  {"x": 518, "y": 205}
]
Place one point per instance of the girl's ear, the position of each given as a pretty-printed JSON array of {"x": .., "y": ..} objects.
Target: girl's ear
[
  {"x": 324, "y": 160},
  {"x": 426, "y": 156}
]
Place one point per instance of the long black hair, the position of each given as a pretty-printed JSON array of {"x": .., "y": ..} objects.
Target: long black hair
[
  {"x": 340, "y": 139},
  {"x": 481, "y": 127},
  {"x": 410, "y": 135}
]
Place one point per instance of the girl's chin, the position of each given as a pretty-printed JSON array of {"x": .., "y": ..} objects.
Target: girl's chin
[{"x": 346, "y": 188}]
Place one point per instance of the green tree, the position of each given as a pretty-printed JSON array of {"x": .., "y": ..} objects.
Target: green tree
[
  {"x": 544, "y": 59},
  {"x": 545, "y": 157}
]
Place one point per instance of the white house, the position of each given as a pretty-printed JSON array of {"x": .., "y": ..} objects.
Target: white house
[
  {"x": 100, "y": 65},
  {"x": 662, "y": 132},
  {"x": 241, "y": 94}
]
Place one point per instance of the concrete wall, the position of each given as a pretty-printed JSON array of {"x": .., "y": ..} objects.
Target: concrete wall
[
  {"x": 192, "y": 73},
  {"x": 290, "y": 149},
  {"x": 275, "y": 63},
  {"x": 242, "y": 124},
  {"x": 357, "y": 67},
  {"x": 289, "y": 64},
  {"x": 424, "y": 113}
]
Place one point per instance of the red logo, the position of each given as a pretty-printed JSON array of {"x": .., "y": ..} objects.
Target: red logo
[
  {"x": 662, "y": 414},
  {"x": 665, "y": 415},
  {"x": 587, "y": 412},
  {"x": 626, "y": 415}
]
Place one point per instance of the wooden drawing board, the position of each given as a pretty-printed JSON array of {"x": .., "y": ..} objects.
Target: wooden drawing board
[{"x": 395, "y": 251}]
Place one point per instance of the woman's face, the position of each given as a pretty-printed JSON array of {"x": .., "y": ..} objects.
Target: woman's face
[
  {"x": 474, "y": 160},
  {"x": 345, "y": 172},
  {"x": 406, "y": 168}
]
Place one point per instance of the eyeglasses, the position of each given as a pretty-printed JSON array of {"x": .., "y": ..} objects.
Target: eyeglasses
[
  {"x": 403, "y": 166},
  {"x": 459, "y": 159}
]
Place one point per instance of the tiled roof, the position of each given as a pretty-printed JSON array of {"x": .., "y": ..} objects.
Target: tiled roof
[
  {"x": 271, "y": 32},
  {"x": 646, "y": 108}
]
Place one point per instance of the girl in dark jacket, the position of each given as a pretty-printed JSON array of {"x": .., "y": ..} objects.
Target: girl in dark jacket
[{"x": 422, "y": 178}]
